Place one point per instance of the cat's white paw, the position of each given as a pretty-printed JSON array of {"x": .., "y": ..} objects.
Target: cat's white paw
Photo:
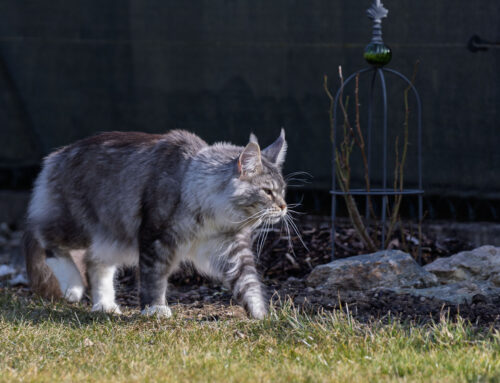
[
  {"x": 258, "y": 312},
  {"x": 74, "y": 294},
  {"x": 159, "y": 310},
  {"x": 110, "y": 308}
]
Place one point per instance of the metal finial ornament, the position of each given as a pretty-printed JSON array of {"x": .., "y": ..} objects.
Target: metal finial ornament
[{"x": 377, "y": 53}]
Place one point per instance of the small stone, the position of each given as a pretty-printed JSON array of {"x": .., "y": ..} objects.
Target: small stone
[
  {"x": 6, "y": 270},
  {"x": 495, "y": 279},
  {"x": 454, "y": 293},
  {"x": 18, "y": 280},
  {"x": 5, "y": 230},
  {"x": 293, "y": 280},
  {"x": 479, "y": 298},
  {"x": 300, "y": 300}
]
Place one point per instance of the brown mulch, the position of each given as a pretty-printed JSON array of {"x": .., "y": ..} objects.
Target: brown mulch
[
  {"x": 283, "y": 264},
  {"x": 281, "y": 259},
  {"x": 283, "y": 272},
  {"x": 366, "y": 306}
]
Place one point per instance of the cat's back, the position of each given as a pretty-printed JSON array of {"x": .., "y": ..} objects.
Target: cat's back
[
  {"x": 139, "y": 141},
  {"x": 106, "y": 175},
  {"x": 111, "y": 152}
]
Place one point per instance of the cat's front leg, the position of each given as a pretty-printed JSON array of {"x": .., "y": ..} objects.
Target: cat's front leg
[
  {"x": 155, "y": 262},
  {"x": 101, "y": 277},
  {"x": 241, "y": 276}
]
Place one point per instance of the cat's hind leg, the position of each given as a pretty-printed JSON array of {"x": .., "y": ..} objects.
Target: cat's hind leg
[{"x": 67, "y": 274}]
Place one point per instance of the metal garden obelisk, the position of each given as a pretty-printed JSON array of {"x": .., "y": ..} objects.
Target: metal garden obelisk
[{"x": 378, "y": 54}]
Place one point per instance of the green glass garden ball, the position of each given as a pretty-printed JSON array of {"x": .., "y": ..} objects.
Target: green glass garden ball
[{"x": 378, "y": 54}]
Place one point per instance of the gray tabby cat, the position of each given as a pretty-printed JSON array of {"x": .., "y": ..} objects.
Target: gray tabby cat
[{"x": 153, "y": 201}]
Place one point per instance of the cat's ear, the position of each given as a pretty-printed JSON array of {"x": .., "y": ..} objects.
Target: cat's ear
[
  {"x": 277, "y": 150},
  {"x": 249, "y": 162},
  {"x": 253, "y": 138}
]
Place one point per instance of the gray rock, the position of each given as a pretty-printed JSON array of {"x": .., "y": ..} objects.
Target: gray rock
[
  {"x": 388, "y": 268},
  {"x": 455, "y": 293},
  {"x": 5, "y": 231},
  {"x": 481, "y": 264},
  {"x": 19, "y": 279},
  {"x": 6, "y": 271},
  {"x": 495, "y": 279},
  {"x": 461, "y": 278}
]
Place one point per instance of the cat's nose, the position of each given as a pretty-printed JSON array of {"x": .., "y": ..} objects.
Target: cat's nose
[{"x": 283, "y": 206}]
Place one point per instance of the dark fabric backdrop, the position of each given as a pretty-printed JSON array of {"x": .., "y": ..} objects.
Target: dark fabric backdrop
[{"x": 225, "y": 68}]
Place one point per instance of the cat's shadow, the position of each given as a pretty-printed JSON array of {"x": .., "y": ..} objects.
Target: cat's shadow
[{"x": 22, "y": 308}]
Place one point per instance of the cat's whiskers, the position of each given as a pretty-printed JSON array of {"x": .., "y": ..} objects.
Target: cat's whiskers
[
  {"x": 289, "y": 225},
  {"x": 289, "y": 175},
  {"x": 259, "y": 240},
  {"x": 294, "y": 205},
  {"x": 292, "y": 224},
  {"x": 289, "y": 237},
  {"x": 299, "y": 182},
  {"x": 291, "y": 211},
  {"x": 257, "y": 216},
  {"x": 263, "y": 236},
  {"x": 297, "y": 179},
  {"x": 294, "y": 179},
  {"x": 261, "y": 231}
]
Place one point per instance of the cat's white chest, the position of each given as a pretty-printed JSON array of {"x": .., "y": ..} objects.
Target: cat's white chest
[{"x": 204, "y": 249}]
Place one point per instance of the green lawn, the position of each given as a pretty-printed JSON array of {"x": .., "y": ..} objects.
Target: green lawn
[{"x": 47, "y": 342}]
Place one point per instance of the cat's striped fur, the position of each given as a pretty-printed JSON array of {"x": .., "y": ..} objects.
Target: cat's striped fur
[{"x": 153, "y": 201}]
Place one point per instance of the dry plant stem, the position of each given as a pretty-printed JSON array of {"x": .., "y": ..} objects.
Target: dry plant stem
[
  {"x": 404, "y": 243},
  {"x": 361, "y": 144},
  {"x": 342, "y": 166},
  {"x": 353, "y": 211},
  {"x": 330, "y": 107},
  {"x": 419, "y": 253},
  {"x": 399, "y": 168},
  {"x": 398, "y": 176}
]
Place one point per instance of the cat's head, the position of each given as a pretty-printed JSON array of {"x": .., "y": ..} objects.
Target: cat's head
[{"x": 259, "y": 187}]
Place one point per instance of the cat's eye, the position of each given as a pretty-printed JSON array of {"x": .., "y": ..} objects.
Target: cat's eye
[{"x": 269, "y": 192}]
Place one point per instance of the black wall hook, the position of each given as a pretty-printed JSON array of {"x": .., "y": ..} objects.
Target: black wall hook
[{"x": 476, "y": 44}]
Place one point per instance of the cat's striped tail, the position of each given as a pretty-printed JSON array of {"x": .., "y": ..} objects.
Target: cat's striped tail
[{"x": 40, "y": 275}]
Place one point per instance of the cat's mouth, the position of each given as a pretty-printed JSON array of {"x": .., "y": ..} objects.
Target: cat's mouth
[
  {"x": 276, "y": 216},
  {"x": 275, "y": 219}
]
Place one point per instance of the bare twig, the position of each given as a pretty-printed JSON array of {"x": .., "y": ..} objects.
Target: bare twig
[
  {"x": 342, "y": 157},
  {"x": 361, "y": 144},
  {"x": 399, "y": 168},
  {"x": 330, "y": 107}
]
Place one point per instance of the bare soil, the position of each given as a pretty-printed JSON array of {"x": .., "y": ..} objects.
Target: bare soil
[{"x": 284, "y": 266}]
